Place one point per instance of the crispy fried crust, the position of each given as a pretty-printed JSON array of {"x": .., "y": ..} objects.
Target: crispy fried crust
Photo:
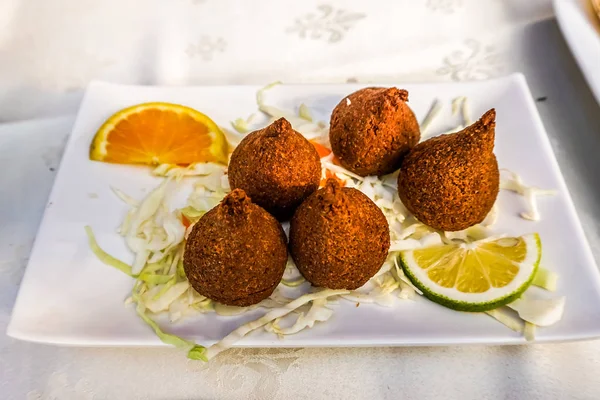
[
  {"x": 277, "y": 167},
  {"x": 236, "y": 253},
  {"x": 339, "y": 238},
  {"x": 451, "y": 182},
  {"x": 373, "y": 131}
]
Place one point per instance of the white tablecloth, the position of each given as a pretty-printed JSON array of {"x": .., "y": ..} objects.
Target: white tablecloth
[{"x": 50, "y": 50}]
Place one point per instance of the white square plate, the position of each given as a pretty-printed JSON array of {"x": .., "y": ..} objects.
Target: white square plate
[
  {"x": 581, "y": 27},
  {"x": 69, "y": 297}
]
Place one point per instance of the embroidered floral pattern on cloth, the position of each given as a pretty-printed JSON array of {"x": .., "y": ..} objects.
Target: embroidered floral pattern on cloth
[{"x": 53, "y": 49}]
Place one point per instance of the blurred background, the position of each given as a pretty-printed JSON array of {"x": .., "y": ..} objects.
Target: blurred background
[{"x": 50, "y": 50}]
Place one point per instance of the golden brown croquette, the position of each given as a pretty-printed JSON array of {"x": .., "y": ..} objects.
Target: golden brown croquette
[
  {"x": 277, "y": 167},
  {"x": 339, "y": 238},
  {"x": 236, "y": 253},
  {"x": 372, "y": 130},
  {"x": 451, "y": 182}
]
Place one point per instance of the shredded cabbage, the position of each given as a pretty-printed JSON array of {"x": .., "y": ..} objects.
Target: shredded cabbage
[
  {"x": 291, "y": 276},
  {"x": 160, "y": 297},
  {"x": 242, "y": 125},
  {"x": 302, "y": 123},
  {"x": 190, "y": 303},
  {"x": 276, "y": 300},
  {"x": 304, "y": 113},
  {"x": 233, "y": 137},
  {"x": 428, "y": 240},
  {"x": 228, "y": 311},
  {"x": 235, "y": 336},
  {"x": 405, "y": 284},
  {"x": 530, "y": 312},
  {"x": 293, "y": 283},
  {"x": 433, "y": 112},
  {"x": 515, "y": 184},
  {"x": 195, "y": 169},
  {"x": 387, "y": 266},
  {"x": 453, "y": 130},
  {"x": 466, "y": 113},
  {"x": 462, "y": 103},
  {"x": 546, "y": 279},
  {"x": 279, "y": 298},
  {"x": 506, "y": 317},
  {"x": 339, "y": 169},
  {"x": 104, "y": 256},
  {"x": 381, "y": 294},
  {"x": 318, "y": 312},
  {"x": 492, "y": 216},
  {"x": 136, "y": 236},
  {"x": 165, "y": 337},
  {"x": 529, "y": 331},
  {"x": 202, "y": 199},
  {"x": 457, "y": 103},
  {"x": 273, "y": 112},
  {"x": 191, "y": 213},
  {"x": 155, "y": 279},
  {"x": 473, "y": 233},
  {"x": 125, "y": 197},
  {"x": 383, "y": 284},
  {"x": 541, "y": 312},
  {"x": 260, "y": 95},
  {"x": 197, "y": 353}
]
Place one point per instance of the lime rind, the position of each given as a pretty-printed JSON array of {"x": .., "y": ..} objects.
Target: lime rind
[{"x": 475, "y": 302}]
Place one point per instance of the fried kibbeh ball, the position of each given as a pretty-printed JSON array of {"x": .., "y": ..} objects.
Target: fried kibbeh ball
[
  {"x": 339, "y": 238},
  {"x": 277, "y": 167},
  {"x": 236, "y": 253},
  {"x": 372, "y": 129},
  {"x": 451, "y": 182}
]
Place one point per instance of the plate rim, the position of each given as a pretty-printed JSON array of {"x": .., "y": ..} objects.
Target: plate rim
[{"x": 521, "y": 82}]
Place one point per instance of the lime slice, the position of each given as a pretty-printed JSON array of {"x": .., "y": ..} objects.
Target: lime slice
[{"x": 477, "y": 276}]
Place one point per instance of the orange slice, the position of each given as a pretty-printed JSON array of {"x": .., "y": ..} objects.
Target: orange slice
[{"x": 159, "y": 133}]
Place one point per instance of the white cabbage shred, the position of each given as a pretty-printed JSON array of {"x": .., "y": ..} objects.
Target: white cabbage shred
[
  {"x": 505, "y": 316},
  {"x": 546, "y": 279},
  {"x": 539, "y": 311},
  {"x": 462, "y": 103},
  {"x": 434, "y": 111},
  {"x": 243, "y": 125},
  {"x": 318, "y": 312},
  {"x": 513, "y": 182},
  {"x": 155, "y": 234},
  {"x": 235, "y": 336}
]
